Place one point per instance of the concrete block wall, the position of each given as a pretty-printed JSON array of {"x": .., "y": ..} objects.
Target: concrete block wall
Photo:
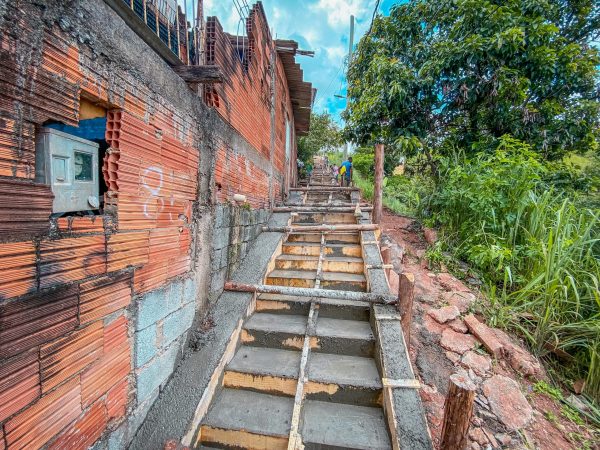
[{"x": 235, "y": 229}]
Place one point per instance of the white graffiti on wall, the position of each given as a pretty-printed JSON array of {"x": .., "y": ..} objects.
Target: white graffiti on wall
[{"x": 152, "y": 183}]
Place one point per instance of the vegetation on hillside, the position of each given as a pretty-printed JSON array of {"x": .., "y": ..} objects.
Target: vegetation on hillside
[{"x": 495, "y": 105}]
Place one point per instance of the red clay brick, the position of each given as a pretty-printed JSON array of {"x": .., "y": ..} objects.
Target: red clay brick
[
  {"x": 66, "y": 260},
  {"x": 35, "y": 320},
  {"x": 117, "y": 399},
  {"x": 127, "y": 249},
  {"x": 104, "y": 296},
  {"x": 83, "y": 433},
  {"x": 105, "y": 373},
  {"x": 150, "y": 276},
  {"x": 19, "y": 383},
  {"x": 35, "y": 426},
  {"x": 17, "y": 269},
  {"x": 115, "y": 334},
  {"x": 66, "y": 357}
]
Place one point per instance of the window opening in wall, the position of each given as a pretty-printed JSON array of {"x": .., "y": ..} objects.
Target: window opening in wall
[{"x": 69, "y": 159}]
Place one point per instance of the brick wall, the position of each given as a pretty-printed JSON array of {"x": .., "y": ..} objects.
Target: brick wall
[
  {"x": 247, "y": 100},
  {"x": 95, "y": 312}
]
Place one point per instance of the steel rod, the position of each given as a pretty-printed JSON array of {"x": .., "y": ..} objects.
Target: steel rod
[{"x": 309, "y": 292}]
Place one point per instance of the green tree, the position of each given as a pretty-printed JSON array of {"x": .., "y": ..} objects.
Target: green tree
[
  {"x": 324, "y": 134},
  {"x": 463, "y": 73}
]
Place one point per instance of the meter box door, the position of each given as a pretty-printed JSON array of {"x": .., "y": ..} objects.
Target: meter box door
[{"x": 69, "y": 165}]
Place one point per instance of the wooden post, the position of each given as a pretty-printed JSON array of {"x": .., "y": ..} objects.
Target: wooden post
[
  {"x": 378, "y": 190},
  {"x": 458, "y": 411},
  {"x": 406, "y": 295}
]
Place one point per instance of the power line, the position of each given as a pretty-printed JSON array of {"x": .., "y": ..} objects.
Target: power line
[{"x": 375, "y": 10}]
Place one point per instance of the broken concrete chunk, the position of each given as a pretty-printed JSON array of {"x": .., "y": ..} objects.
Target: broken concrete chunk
[
  {"x": 457, "y": 342},
  {"x": 507, "y": 402},
  {"x": 444, "y": 314},
  {"x": 485, "y": 335}
]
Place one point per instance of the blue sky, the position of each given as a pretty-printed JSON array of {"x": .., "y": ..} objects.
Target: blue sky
[{"x": 319, "y": 25}]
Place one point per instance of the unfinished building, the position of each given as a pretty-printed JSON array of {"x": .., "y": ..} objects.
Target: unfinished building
[{"x": 134, "y": 184}]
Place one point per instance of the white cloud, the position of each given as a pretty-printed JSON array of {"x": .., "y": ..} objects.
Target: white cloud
[{"x": 338, "y": 12}]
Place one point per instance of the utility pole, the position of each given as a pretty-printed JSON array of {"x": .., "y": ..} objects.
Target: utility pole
[{"x": 350, "y": 48}]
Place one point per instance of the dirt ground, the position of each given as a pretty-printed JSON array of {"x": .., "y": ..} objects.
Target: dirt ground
[{"x": 508, "y": 412}]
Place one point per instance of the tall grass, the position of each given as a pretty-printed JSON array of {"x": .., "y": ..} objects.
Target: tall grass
[{"x": 538, "y": 251}]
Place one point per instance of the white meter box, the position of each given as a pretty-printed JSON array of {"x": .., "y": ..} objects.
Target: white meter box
[{"x": 68, "y": 164}]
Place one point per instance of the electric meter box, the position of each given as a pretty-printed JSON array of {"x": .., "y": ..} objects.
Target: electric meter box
[{"x": 69, "y": 164}]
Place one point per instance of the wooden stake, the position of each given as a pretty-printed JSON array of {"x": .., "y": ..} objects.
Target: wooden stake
[
  {"x": 406, "y": 295},
  {"x": 458, "y": 411},
  {"x": 378, "y": 190}
]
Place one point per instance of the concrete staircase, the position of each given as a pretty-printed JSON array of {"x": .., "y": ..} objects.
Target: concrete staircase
[{"x": 342, "y": 397}]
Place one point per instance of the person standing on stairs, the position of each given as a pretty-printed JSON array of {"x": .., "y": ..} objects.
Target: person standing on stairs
[{"x": 346, "y": 172}]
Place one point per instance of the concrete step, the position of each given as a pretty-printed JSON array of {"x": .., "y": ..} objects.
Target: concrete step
[
  {"x": 344, "y": 337},
  {"x": 348, "y": 264},
  {"x": 344, "y": 379},
  {"x": 331, "y": 425},
  {"x": 342, "y": 238},
  {"x": 294, "y": 278},
  {"x": 312, "y": 218},
  {"x": 344, "y": 281},
  {"x": 286, "y": 331},
  {"x": 245, "y": 419},
  {"x": 304, "y": 237},
  {"x": 287, "y": 304},
  {"x": 338, "y": 250},
  {"x": 282, "y": 331},
  {"x": 267, "y": 370},
  {"x": 304, "y": 248},
  {"x": 296, "y": 262}
]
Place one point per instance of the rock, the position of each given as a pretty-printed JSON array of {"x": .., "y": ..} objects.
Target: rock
[
  {"x": 432, "y": 326},
  {"x": 457, "y": 342},
  {"x": 458, "y": 325},
  {"x": 474, "y": 446},
  {"x": 579, "y": 386},
  {"x": 444, "y": 314},
  {"x": 477, "y": 435},
  {"x": 577, "y": 403},
  {"x": 450, "y": 283},
  {"x": 430, "y": 235},
  {"x": 480, "y": 364},
  {"x": 519, "y": 359},
  {"x": 454, "y": 357},
  {"x": 507, "y": 402},
  {"x": 462, "y": 300},
  {"x": 504, "y": 439},
  {"x": 485, "y": 335}
]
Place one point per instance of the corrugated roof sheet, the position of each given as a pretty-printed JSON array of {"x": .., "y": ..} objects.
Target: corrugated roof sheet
[{"x": 35, "y": 320}]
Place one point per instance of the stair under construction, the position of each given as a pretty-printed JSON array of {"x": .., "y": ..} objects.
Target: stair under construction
[{"x": 320, "y": 361}]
